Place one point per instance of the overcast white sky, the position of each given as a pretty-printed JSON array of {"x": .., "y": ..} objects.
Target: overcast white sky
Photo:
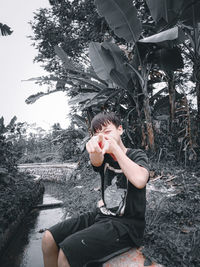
[{"x": 16, "y": 64}]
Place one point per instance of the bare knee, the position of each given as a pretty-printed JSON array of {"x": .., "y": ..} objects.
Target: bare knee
[
  {"x": 62, "y": 260},
  {"x": 48, "y": 243}
]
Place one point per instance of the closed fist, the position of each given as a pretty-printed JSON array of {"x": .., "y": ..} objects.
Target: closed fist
[{"x": 96, "y": 144}]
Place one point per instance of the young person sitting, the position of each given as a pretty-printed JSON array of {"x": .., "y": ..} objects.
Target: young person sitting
[{"x": 118, "y": 221}]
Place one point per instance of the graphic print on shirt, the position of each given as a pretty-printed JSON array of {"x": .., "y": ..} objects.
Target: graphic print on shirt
[{"x": 114, "y": 191}]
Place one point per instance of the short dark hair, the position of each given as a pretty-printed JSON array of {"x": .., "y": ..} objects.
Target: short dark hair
[{"x": 102, "y": 119}]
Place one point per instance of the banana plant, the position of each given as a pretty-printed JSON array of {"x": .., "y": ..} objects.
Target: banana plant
[
  {"x": 166, "y": 13},
  {"x": 167, "y": 56},
  {"x": 110, "y": 62},
  {"x": 184, "y": 13},
  {"x": 122, "y": 19},
  {"x": 97, "y": 90},
  {"x": 149, "y": 51},
  {"x": 193, "y": 53}
]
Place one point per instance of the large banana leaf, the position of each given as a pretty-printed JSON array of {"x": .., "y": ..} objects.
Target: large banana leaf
[
  {"x": 190, "y": 14},
  {"x": 43, "y": 79},
  {"x": 33, "y": 98},
  {"x": 165, "y": 11},
  {"x": 109, "y": 62},
  {"x": 174, "y": 35},
  {"x": 122, "y": 18},
  {"x": 104, "y": 93},
  {"x": 94, "y": 84},
  {"x": 60, "y": 83},
  {"x": 169, "y": 59},
  {"x": 171, "y": 11},
  {"x": 119, "y": 79},
  {"x": 81, "y": 98},
  {"x": 119, "y": 58},
  {"x": 166, "y": 57},
  {"x": 72, "y": 67},
  {"x": 68, "y": 63},
  {"x": 103, "y": 97},
  {"x": 101, "y": 60}
]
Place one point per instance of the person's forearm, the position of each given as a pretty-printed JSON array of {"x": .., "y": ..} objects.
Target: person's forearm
[
  {"x": 96, "y": 159},
  {"x": 136, "y": 174}
]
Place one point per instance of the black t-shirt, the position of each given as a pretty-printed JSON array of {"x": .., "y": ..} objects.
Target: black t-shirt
[{"x": 124, "y": 203}]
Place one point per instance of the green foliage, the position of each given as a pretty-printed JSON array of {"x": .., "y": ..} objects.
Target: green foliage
[
  {"x": 159, "y": 50},
  {"x": 169, "y": 12},
  {"x": 121, "y": 17},
  {"x": 122, "y": 77},
  {"x": 71, "y": 24},
  {"x": 56, "y": 145},
  {"x": 8, "y": 154}
]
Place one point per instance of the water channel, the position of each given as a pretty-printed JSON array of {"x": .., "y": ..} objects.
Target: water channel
[{"x": 25, "y": 248}]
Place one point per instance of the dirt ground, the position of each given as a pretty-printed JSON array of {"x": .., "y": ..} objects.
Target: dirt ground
[{"x": 173, "y": 218}]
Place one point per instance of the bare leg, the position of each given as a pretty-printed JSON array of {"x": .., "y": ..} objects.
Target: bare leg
[
  {"x": 62, "y": 260},
  {"x": 50, "y": 250}
]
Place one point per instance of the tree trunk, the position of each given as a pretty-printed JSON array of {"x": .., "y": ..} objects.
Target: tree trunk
[
  {"x": 198, "y": 110},
  {"x": 150, "y": 132},
  {"x": 147, "y": 110},
  {"x": 143, "y": 134},
  {"x": 172, "y": 98},
  {"x": 196, "y": 73}
]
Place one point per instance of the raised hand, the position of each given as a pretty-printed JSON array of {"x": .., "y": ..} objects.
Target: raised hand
[
  {"x": 95, "y": 144},
  {"x": 109, "y": 145}
]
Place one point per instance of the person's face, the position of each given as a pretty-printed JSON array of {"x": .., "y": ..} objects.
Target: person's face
[{"x": 111, "y": 131}]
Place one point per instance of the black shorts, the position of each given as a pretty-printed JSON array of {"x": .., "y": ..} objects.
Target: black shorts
[{"x": 90, "y": 238}]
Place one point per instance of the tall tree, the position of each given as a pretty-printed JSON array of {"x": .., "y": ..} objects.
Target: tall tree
[{"x": 69, "y": 24}]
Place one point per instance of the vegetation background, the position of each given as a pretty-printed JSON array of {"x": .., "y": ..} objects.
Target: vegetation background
[
  {"x": 140, "y": 59},
  {"x": 142, "y": 64}
]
